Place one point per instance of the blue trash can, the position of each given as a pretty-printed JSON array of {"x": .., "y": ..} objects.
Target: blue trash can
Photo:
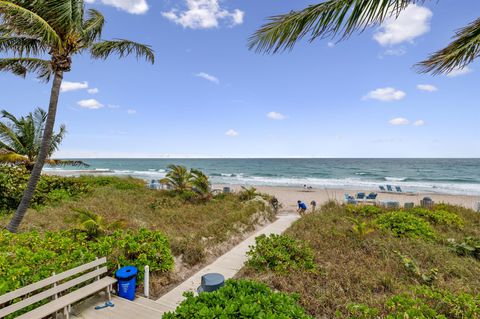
[{"x": 127, "y": 282}]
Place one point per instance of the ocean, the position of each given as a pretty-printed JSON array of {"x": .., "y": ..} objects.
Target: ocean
[{"x": 451, "y": 176}]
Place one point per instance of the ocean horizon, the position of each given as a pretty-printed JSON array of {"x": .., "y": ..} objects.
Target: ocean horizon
[{"x": 436, "y": 175}]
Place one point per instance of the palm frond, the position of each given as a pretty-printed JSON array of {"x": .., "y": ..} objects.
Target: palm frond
[
  {"x": 22, "y": 66},
  {"x": 65, "y": 16},
  {"x": 22, "y": 45},
  {"x": 460, "y": 52},
  {"x": 326, "y": 19},
  {"x": 104, "y": 49},
  {"x": 22, "y": 21},
  {"x": 13, "y": 158},
  {"x": 93, "y": 26}
]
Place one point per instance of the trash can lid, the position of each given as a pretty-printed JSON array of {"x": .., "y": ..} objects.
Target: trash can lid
[
  {"x": 211, "y": 282},
  {"x": 126, "y": 272}
]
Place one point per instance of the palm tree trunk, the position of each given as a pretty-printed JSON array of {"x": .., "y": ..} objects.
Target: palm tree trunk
[{"x": 42, "y": 155}]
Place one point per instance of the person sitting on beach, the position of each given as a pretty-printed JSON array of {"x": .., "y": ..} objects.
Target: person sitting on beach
[
  {"x": 302, "y": 208},
  {"x": 314, "y": 205}
]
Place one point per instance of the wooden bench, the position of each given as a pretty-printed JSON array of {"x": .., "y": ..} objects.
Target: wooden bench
[{"x": 59, "y": 283}]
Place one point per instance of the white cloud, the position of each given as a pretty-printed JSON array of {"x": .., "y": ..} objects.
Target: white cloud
[
  {"x": 93, "y": 91},
  {"x": 459, "y": 71},
  {"x": 419, "y": 123},
  {"x": 410, "y": 24},
  {"x": 399, "y": 121},
  {"x": 91, "y": 104},
  {"x": 276, "y": 116},
  {"x": 232, "y": 133},
  {"x": 330, "y": 44},
  {"x": 204, "y": 14},
  {"x": 73, "y": 86},
  {"x": 385, "y": 94},
  {"x": 395, "y": 51},
  {"x": 427, "y": 87},
  {"x": 130, "y": 6},
  {"x": 208, "y": 77},
  {"x": 131, "y": 111},
  {"x": 113, "y": 106}
]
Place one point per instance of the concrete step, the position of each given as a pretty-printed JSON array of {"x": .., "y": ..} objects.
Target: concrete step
[{"x": 152, "y": 304}]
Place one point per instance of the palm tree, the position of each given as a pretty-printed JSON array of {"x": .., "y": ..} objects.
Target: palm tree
[
  {"x": 178, "y": 177},
  {"x": 21, "y": 138},
  {"x": 342, "y": 18},
  {"x": 200, "y": 183},
  {"x": 43, "y": 36}
]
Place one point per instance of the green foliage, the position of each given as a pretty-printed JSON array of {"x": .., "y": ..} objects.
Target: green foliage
[
  {"x": 424, "y": 302},
  {"x": 364, "y": 210},
  {"x": 360, "y": 228},
  {"x": 280, "y": 253},
  {"x": 190, "y": 184},
  {"x": 412, "y": 268},
  {"x": 50, "y": 189},
  {"x": 468, "y": 247},
  {"x": 29, "y": 257},
  {"x": 439, "y": 216},
  {"x": 404, "y": 224},
  {"x": 248, "y": 193},
  {"x": 239, "y": 299}
]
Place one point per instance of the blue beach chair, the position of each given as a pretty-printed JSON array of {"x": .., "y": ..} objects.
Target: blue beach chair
[
  {"x": 399, "y": 189},
  {"x": 382, "y": 188},
  {"x": 389, "y": 188},
  {"x": 371, "y": 196},
  {"x": 360, "y": 196},
  {"x": 349, "y": 199}
]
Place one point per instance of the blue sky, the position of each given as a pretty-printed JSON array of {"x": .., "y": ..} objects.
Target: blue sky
[{"x": 209, "y": 96}]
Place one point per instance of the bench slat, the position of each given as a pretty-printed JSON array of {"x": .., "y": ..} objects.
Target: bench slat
[
  {"x": 50, "y": 280},
  {"x": 50, "y": 292},
  {"x": 69, "y": 299}
]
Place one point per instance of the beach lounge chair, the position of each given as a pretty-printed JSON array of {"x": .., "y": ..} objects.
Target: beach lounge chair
[
  {"x": 371, "y": 196},
  {"x": 360, "y": 196},
  {"x": 382, "y": 188},
  {"x": 349, "y": 199},
  {"x": 399, "y": 189},
  {"x": 390, "y": 188}
]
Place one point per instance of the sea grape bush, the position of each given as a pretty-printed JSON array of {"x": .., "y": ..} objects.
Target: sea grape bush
[
  {"x": 439, "y": 216},
  {"x": 424, "y": 302},
  {"x": 280, "y": 253},
  {"x": 13, "y": 181},
  {"x": 404, "y": 224},
  {"x": 240, "y": 299},
  {"x": 29, "y": 257},
  {"x": 364, "y": 210}
]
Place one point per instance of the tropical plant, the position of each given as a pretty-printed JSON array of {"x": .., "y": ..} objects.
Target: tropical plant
[
  {"x": 178, "y": 177},
  {"x": 240, "y": 299},
  {"x": 21, "y": 138},
  {"x": 342, "y": 18},
  {"x": 360, "y": 228},
  {"x": 60, "y": 29},
  {"x": 248, "y": 193},
  {"x": 403, "y": 224},
  {"x": 200, "y": 183}
]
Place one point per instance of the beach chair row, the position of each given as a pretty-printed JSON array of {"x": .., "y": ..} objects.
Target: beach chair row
[{"x": 390, "y": 189}]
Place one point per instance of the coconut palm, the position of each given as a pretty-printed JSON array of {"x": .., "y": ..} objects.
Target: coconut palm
[
  {"x": 21, "y": 138},
  {"x": 43, "y": 36},
  {"x": 178, "y": 177},
  {"x": 342, "y": 18}
]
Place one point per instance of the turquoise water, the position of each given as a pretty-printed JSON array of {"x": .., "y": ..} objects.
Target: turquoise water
[{"x": 455, "y": 176}]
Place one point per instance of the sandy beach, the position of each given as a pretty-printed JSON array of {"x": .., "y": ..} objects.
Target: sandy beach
[{"x": 288, "y": 196}]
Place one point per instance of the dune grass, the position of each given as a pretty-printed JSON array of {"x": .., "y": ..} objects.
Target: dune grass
[
  {"x": 191, "y": 226},
  {"x": 358, "y": 262}
]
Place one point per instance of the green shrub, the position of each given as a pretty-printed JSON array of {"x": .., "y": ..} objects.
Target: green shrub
[
  {"x": 468, "y": 247},
  {"x": 280, "y": 253},
  {"x": 439, "y": 216},
  {"x": 239, "y": 299},
  {"x": 364, "y": 210},
  {"x": 13, "y": 181},
  {"x": 29, "y": 257},
  {"x": 424, "y": 302},
  {"x": 404, "y": 224}
]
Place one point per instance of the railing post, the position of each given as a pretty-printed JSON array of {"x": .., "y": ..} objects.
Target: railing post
[{"x": 146, "y": 284}]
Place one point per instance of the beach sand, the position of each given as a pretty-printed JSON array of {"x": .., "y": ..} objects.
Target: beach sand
[{"x": 288, "y": 196}]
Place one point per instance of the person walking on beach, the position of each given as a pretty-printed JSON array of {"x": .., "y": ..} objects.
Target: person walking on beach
[{"x": 302, "y": 208}]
